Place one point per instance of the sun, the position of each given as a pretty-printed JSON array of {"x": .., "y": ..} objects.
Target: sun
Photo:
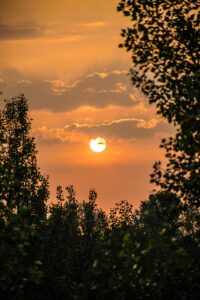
[{"x": 98, "y": 144}]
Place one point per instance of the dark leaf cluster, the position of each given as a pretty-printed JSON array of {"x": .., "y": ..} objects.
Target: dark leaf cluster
[{"x": 164, "y": 41}]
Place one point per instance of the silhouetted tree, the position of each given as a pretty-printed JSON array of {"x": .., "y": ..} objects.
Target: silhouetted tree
[
  {"x": 161, "y": 210},
  {"x": 22, "y": 187},
  {"x": 23, "y": 193},
  {"x": 62, "y": 247},
  {"x": 165, "y": 46},
  {"x": 121, "y": 215}
]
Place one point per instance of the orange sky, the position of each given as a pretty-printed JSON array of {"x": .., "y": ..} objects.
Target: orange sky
[{"x": 63, "y": 56}]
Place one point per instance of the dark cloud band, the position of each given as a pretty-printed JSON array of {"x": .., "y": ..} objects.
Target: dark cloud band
[
  {"x": 9, "y": 31},
  {"x": 95, "y": 90},
  {"x": 123, "y": 128}
]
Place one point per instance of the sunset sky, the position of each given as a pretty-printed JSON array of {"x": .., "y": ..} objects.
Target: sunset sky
[{"x": 64, "y": 56}]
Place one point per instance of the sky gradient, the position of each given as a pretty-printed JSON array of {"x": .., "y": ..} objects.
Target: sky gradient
[{"x": 64, "y": 56}]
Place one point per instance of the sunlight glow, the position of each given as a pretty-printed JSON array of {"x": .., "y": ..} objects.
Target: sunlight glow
[{"x": 98, "y": 144}]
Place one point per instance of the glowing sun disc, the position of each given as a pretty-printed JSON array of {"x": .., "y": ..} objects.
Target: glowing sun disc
[{"x": 98, "y": 144}]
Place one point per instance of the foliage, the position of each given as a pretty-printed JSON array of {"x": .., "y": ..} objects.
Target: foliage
[
  {"x": 21, "y": 184},
  {"x": 73, "y": 250},
  {"x": 165, "y": 46},
  {"x": 85, "y": 254},
  {"x": 69, "y": 245},
  {"x": 121, "y": 215},
  {"x": 23, "y": 192},
  {"x": 151, "y": 258},
  {"x": 20, "y": 259}
]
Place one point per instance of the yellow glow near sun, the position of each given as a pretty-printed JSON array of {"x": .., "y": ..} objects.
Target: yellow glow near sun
[{"x": 98, "y": 144}]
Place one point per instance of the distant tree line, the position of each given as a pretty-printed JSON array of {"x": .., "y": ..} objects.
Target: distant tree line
[{"x": 72, "y": 249}]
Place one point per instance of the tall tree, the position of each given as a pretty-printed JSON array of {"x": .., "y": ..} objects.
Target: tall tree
[
  {"x": 165, "y": 44},
  {"x": 22, "y": 187},
  {"x": 62, "y": 251},
  {"x": 23, "y": 193}
]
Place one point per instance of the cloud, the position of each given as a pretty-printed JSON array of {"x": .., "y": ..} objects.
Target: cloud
[
  {"x": 100, "y": 74},
  {"x": 123, "y": 128},
  {"x": 24, "y": 81},
  {"x": 97, "y": 24},
  {"x": 50, "y": 136},
  {"x": 12, "y": 31},
  {"x": 96, "y": 90},
  {"x": 131, "y": 129},
  {"x": 57, "y": 86}
]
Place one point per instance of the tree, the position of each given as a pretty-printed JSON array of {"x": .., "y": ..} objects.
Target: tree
[
  {"x": 93, "y": 225},
  {"x": 62, "y": 255},
  {"x": 160, "y": 211},
  {"x": 94, "y": 222},
  {"x": 22, "y": 187},
  {"x": 165, "y": 46},
  {"x": 121, "y": 216},
  {"x": 23, "y": 193}
]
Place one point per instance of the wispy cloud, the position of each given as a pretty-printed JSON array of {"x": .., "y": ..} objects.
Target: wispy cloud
[
  {"x": 46, "y": 135},
  {"x": 10, "y": 31},
  {"x": 57, "y": 86},
  {"x": 94, "y": 25},
  {"x": 130, "y": 128},
  {"x": 24, "y": 81},
  {"x": 14, "y": 31},
  {"x": 97, "y": 90}
]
